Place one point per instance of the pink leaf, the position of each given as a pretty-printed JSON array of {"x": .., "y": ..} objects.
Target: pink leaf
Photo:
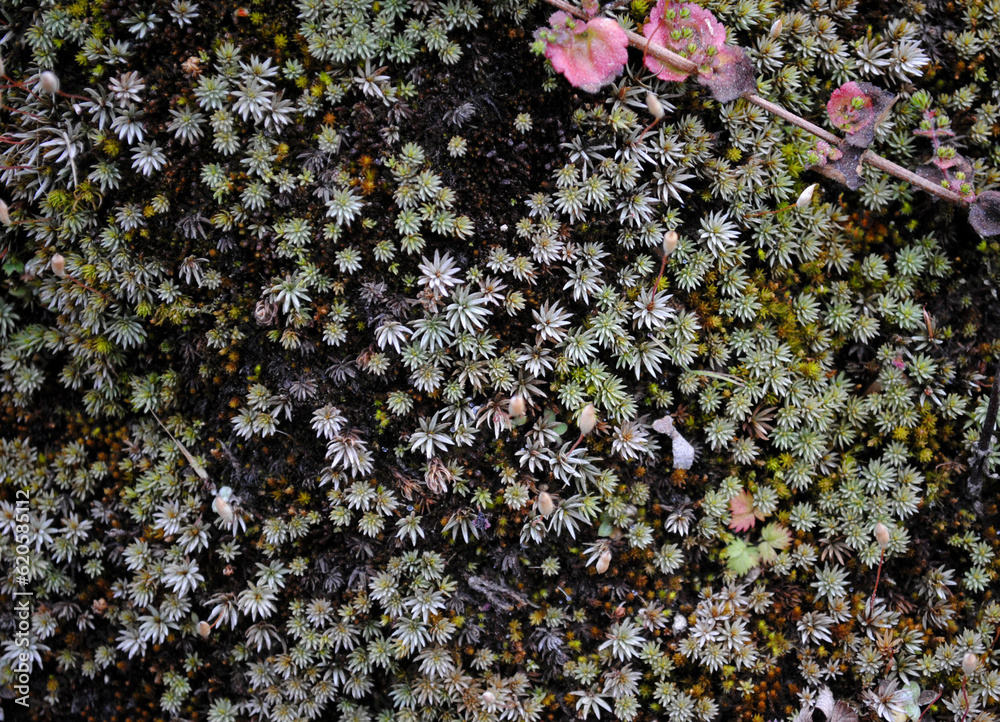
[
  {"x": 856, "y": 109},
  {"x": 589, "y": 54},
  {"x": 686, "y": 29},
  {"x": 743, "y": 513}
]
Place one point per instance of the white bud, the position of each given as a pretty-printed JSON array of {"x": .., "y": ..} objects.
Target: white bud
[
  {"x": 3, "y": 68},
  {"x": 680, "y": 623},
  {"x": 517, "y": 407},
  {"x": 4, "y": 214},
  {"x": 776, "y": 28},
  {"x": 545, "y": 504},
  {"x": 58, "y": 264},
  {"x": 604, "y": 561},
  {"x": 49, "y": 82},
  {"x": 588, "y": 419},
  {"x": 670, "y": 239},
  {"x": 806, "y": 196},
  {"x": 204, "y": 628},
  {"x": 881, "y": 535},
  {"x": 226, "y": 493},
  {"x": 223, "y": 509},
  {"x": 654, "y": 105},
  {"x": 489, "y": 697},
  {"x": 969, "y": 663}
]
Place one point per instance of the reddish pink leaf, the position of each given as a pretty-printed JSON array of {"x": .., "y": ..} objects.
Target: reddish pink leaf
[
  {"x": 590, "y": 54},
  {"x": 687, "y": 29},
  {"x": 743, "y": 513}
]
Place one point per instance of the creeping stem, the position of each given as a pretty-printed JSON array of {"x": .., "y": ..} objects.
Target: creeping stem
[{"x": 876, "y": 161}]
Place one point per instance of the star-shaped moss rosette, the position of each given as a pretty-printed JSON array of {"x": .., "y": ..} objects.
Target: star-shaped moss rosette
[
  {"x": 589, "y": 54},
  {"x": 693, "y": 33},
  {"x": 857, "y": 109}
]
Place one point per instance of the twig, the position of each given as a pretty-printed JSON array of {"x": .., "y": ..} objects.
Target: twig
[
  {"x": 876, "y": 161},
  {"x": 974, "y": 487}
]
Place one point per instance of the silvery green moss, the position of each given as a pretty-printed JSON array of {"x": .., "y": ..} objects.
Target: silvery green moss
[{"x": 283, "y": 236}]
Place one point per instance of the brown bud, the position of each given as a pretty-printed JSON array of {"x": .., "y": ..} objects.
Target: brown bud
[
  {"x": 545, "y": 504},
  {"x": 806, "y": 196},
  {"x": 222, "y": 507},
  {"x": 49, "y": 82},
  {"x": 204, "y": 628},
  {"x": 604, "y": 561},
  {"x": 588, "y": 419},
  {"x": 58, "y": 264},
  {"x": 969, "y": 663},
  {"x": 881, "y": 535},
  {"x": 4, "y": 214},
  {"x": 99, "y": 606},
  {"x": 670, "y": 239},
  {"x": 776, "y": 28},
  {"x": 517, "y": 407},
  {"x": 654, "y": 106}
]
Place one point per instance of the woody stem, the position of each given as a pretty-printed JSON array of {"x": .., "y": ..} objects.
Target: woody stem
[{"x": 681, "y": 63}]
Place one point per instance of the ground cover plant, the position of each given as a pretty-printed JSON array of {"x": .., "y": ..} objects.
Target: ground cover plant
[{"x": 420, "y": 360}]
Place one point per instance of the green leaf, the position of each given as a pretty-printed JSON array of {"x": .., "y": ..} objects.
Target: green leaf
[{"x": 741, "y": 557}]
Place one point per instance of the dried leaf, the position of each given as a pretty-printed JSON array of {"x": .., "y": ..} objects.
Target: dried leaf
[
  {"x": 665, "y": 425},
  {"x": 985, "y": 214},
  {"x": 934, "y": 171},
  {"x": 683, "y": 452},
  {"x": 857, "y": 108},
  {"x": 198, "y": 468},
  {"x": 845, "y": 170},
  {"x": 733, "y": 76}
]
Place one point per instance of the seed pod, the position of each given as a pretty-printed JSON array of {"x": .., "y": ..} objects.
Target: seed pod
[
  {"x": 204, "y": 628},
  {"x": 488, "y": 697},
  {"x": 517, "y": 407},
  {"x": 806, "y": 196},
  {"x": 58, "y": 264},
  {"x": 604, "y": 561},
  {"x": 654, "y": 106},
  {"x": 223, "y": 509},
  {"x": 881, "y": 535},
  {"x": 670, "y": 239},
  {"x": 545, "y": 504},
  {"x": 588, "y": 419},
  {"x": 776, "y": 28},
  {"x": 4, "y": 214},
  {"x": 49, "y": 82},
  {"x": 969, "y": 663}
]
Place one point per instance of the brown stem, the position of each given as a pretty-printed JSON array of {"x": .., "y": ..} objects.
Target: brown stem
[
  {"x": 965, "y": 697},
  {"x": 877, "y": 578},
  {"x": 924, "y": 711},
  {"x": 81, "y": 284},
  {"x": 676, "y": 61}
]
